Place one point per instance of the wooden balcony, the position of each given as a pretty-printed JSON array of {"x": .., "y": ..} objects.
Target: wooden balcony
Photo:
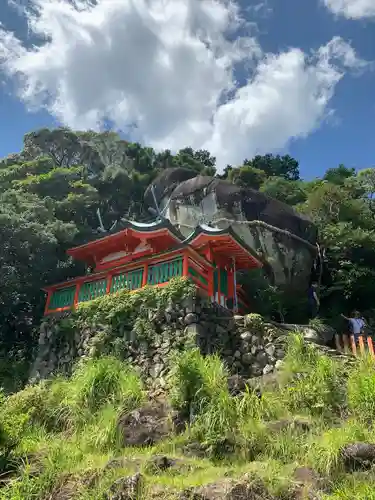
[{"x": 215, "y": 283}]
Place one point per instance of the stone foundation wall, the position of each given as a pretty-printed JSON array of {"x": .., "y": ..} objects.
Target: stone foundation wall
[{"x": 248, "y": 346}]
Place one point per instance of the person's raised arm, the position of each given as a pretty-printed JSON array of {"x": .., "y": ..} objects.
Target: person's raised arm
[{"x": 347, "y": 319}]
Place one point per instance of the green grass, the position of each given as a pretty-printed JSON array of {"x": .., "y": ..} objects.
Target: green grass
[{"x": 57, "y": 437}]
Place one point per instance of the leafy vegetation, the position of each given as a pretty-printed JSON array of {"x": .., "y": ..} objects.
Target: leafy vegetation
[{"x": 59, "y": 436}]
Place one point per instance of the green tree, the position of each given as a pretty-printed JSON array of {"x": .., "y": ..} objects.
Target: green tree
[
  {"x": 290, "y": 192},
  {"x": 339, "y": 174},
  {"x": 276, "y": 166},
  {"x": 247, "y": 176}
]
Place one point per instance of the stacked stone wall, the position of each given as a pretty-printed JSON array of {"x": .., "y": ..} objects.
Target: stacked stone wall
[{"x": 248, "y": 346}]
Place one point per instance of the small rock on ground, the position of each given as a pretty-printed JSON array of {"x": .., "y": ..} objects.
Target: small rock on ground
[
  {"x": 126, "y": 488},
  {"x": 358, "y": 456}
]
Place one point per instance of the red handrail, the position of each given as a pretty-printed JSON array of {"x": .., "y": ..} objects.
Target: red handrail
[{"x": 347, "y": 343}]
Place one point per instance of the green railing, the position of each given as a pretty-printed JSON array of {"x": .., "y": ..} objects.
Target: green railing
[
  {"x": 92, "y": 290},
  {"x": 198, "y": 276},
  {"x": 62, "y": 298},
  {"x": 165, "y": 271},
  {"x": 130, "y": 280}
]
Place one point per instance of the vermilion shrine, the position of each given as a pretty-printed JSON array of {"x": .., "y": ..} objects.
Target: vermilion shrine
[{"x": 152, "y": 254}]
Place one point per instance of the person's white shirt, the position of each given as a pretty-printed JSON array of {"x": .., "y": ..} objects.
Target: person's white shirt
[{"x": 357, "y": 325}]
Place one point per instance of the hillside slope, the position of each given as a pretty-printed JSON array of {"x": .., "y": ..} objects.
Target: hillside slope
[{"x": 307, "y": 433}]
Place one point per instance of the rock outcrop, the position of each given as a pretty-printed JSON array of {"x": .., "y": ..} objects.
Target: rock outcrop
[{"x": 283, "y": 239}]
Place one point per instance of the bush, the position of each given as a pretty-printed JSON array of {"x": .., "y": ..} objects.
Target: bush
[
  {"x": 325, "y": 451},
  {"x": 104, "y": 381},
  {"x": 199, "y": 390},
  {"x": 313, "y": 383},
  {"x": 361, "y": 389},
  {"x": 29, "y": 406},
  {"x": 196, "y": 381},
  {"x": 120, "y": 310},
  {"x": 64, "y": 404}
]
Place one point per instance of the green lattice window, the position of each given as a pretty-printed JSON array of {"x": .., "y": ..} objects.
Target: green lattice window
[
  {"x": 62, "y": 298},
  {"x": 165, "y": 271},
  {"x": 92, "y": 290},
  {"x": 131, "y": 280},
  {"x": 197, "y": 275},
  {"x": 224, "y": 282}
]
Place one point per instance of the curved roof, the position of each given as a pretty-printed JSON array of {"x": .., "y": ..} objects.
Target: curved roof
[
  {"x": 161, "y": 228},
  {"x": 225, "y": 244}
]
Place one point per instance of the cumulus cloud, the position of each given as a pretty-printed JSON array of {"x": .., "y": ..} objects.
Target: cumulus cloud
[
  {"x": 352, "y": 9},
  {"x": 165, "y": 71}
]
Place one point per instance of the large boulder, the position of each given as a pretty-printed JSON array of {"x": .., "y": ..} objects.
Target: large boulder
[
  {"x": 149, "y": 424},
  {"x": 283, "y": 239}
]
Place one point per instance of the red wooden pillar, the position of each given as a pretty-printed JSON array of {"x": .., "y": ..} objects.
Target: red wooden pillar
[
  {"x": 76, "y": 294},
  {"x": 370, "y": 347},
  {"x": 231, "y": 284},
  {"x": 218, "y": 286},
  {"x": 48, "y": 301},
  {"x": 145, "y": 275},
  {"x": 185, "y": 264},
  {"x": 109, "y": 283},
  {"x": 211, "y": 291}
]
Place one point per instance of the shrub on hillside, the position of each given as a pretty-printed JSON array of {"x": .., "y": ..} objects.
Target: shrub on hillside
[
  {"x": 325, "y": 452},
  {"x": 104, "y": 381},
  {"x": 312, "y": 383},
  {"x": 196, "y": 381},
  {"x": 361, "y": 390},
  {"x": 199, "y": 391},
  {"x": 29, "y": 406},
  {"x": 65, "y": 404}
]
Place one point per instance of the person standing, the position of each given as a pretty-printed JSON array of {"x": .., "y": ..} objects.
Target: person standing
[
  {"x": 314, "y": 302},
  {"x": 357, "y": 324}
]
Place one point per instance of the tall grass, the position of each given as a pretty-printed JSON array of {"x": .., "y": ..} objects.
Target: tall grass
[
  {"x": 361, "y": 390},
  {"x": 196, "y": 381},
  {"x": 312, "y": 383},
  {"x": 324, "y": 453},
  {"x": 65, "y": 420},
  {"x": 104, "y": 381}
]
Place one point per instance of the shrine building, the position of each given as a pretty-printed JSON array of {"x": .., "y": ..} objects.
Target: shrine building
[{"x": 152, "y": 254}]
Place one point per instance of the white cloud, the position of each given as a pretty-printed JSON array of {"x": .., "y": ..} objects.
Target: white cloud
[
  {"x": 352, "y": 9},
  {"x": 168, "y": 66}
]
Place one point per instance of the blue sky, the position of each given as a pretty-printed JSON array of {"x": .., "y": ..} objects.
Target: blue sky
[{"x": 282, "y": 25}]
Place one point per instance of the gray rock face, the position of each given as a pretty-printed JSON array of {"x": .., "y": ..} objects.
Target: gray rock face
[{"x": 285, "y": 240}]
